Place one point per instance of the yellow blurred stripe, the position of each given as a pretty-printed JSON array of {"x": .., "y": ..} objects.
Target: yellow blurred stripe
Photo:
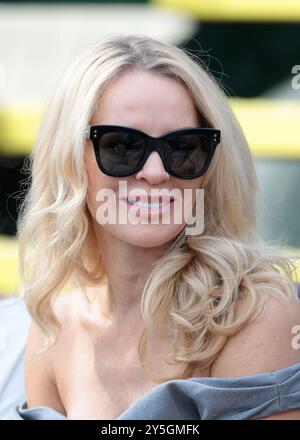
[
  {"x": 18, "y": 128},
  {"x": 237, "y": 10},
  {"x": 270, "y": 126},
  {"x": 9, "y": 264}
]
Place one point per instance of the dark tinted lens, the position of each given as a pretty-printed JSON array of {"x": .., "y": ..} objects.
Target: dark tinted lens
[
  {"x": 187, "y": 154},
  {"x": 120, "y": 152}
]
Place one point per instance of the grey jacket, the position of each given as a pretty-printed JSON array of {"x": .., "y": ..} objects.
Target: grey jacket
[{"x": 206, "y": 398}]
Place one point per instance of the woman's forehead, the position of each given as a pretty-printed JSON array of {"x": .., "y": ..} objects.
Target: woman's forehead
[
  {"x": 142, "y": 103},
  {"x": 144, "y": 89}
]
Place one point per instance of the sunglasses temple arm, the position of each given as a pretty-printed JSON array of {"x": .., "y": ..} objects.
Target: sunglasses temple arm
[{"x": 88, "y": 132}]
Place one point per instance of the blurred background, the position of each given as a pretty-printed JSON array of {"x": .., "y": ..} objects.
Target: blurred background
[{"x": 251, "y": 46}]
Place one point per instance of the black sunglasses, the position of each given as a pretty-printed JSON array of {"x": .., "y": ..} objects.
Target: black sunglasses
[{"x": 122, "y": 151}]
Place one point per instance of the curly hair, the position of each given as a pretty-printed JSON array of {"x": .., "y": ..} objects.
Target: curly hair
[{"x": 205, "y": 287}]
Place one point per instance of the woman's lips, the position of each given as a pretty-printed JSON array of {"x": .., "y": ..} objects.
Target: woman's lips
[
  {"x": 150, "y": 200},
  {"x": 154, "y": 207}
]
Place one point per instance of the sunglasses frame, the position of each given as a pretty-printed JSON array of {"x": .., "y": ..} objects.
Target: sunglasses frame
[{"x": 93, "y": 132}]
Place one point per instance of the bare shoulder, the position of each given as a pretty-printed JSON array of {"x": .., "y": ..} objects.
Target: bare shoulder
[
  {"x": 40, "y": 365},
  {"x": 39, "y": 376},
  {"x": 263, "y": 344}
]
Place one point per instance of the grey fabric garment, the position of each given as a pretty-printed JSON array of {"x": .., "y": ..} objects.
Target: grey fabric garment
[
  {"x": 14, "y": 326},
  {"x": 206, "y": 398}
]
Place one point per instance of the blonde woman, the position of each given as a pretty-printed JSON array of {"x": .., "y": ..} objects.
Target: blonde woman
[{"x": 131, "y": 320}]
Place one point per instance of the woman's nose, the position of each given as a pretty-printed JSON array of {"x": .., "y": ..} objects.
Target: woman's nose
[{"x": 153, "y": 169}]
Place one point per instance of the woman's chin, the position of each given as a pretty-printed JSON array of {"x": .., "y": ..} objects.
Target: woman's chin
[{"x": 148, "y": 235}]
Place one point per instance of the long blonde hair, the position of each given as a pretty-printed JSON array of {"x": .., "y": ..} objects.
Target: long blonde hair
[{"x": 206, "y": 287}]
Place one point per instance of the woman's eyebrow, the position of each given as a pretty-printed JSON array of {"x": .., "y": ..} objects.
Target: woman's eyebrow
[
  {"x": 179, "y": 128},
  {"x": 160, "y": 135}
]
